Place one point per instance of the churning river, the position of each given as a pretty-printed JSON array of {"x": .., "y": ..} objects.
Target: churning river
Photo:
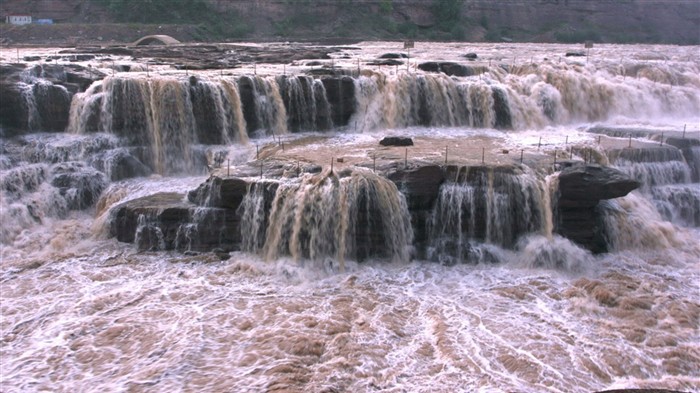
[{"x": 82, "y": 312}]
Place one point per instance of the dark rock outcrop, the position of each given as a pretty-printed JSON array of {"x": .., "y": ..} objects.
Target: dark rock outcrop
[
  {"x": 341, "y": 96},
  {"x": 396, "y": 141},
  {"x": 394, "y": 56},
  {"x": 448, "y": 68},
  {"x": 210, "y": 215},
  {"x": 421, "y": 187},
  {"x": 581, "y": 188},
  {"x": 80, "y": 185},
  {"x": 166, "y": 221}
]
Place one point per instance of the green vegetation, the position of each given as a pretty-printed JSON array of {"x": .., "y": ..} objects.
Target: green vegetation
[
  {"x": 192, "y": 12},
  {"x": 448, "y": 15}
]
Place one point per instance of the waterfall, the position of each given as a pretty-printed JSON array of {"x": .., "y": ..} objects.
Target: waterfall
[
  {"x": 163, "y": 116},
  {"x": 32, "y": 193},
  {"x": 306, "y": 103},
  {"x": 485, "y": 205},
  {"x": 263, "y": 107},
  {"x": 355, "y": 215},
  {"x": 666, "y": 180}
]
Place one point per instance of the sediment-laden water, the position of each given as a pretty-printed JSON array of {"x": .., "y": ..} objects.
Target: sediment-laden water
[{"x": 328, "y": 293}]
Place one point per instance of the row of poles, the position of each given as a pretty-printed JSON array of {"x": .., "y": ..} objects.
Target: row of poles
[{"x": 587, "y": 153}]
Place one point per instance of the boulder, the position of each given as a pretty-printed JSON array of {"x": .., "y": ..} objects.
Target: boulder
[
  {"x": 452, "y": 69},
  {"x": 471, "y": 56},
  {"x": 166, "y": 221},
  {"x": 79, "y": 184},
  {"x": 581, "y": 188},
  {"x": 585, "y": 184},
  {"x": 575, "y": 54},
  {"x": 396, "y": 141},
  {"x": 394, "y": 56},
  {"x": 385, "y": 62}
]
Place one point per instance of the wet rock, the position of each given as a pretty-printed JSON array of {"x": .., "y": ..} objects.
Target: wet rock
[
  {"x": 450, "y": 68},
  {"x": 581, "y": 188},
  {"x": 120, "y": 164},
  {"x": 501, "y": 107},
  {"x": 587, "y": 183},
  {"x": 79, "y": 184},
  {"x": 13, "y": 111},
  {"x": 640, "y": 391},
  {"x": 575, "y": 54},
  {"x": 421, "y": 186},
  {"x": 166, "y": 221},
  {"x": 52, "y": 106},
  {"x": 340, "y": 92},
  {"x": 220, "y": 192},
  {"x": 396, "y": 141},
  {"x": 385, "y": 62},
  {"x": 471, "y": 56},
  {"x": 394, "y": 56}
]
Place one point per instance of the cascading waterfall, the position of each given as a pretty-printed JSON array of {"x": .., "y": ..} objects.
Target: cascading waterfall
[
  {"x": 427, "y": 100},
  {"x": 306, "y": 103},
  {"x": 486, "y": 205},
  {"x": 263, "y": 106},
  {"x": 353, "y": 215},
  {"x": 164, "y": 116},
  {"x": 666, "y": 180}
]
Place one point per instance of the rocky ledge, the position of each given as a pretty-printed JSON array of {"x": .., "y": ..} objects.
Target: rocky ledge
[{"x": 209, "y": 217}]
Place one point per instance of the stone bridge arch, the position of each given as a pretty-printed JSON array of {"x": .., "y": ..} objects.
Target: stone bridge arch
[{"x": 159, "y": 39}]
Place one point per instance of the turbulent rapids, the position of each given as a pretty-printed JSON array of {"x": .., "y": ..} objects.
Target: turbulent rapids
[{"x": 530, "y": 224}]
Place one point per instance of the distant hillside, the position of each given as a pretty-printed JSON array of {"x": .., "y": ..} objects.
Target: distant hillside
[{"x": 623, "y": 21}]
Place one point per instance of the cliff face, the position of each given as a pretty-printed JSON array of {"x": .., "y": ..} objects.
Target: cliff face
[{"x": 625, "y": 21}]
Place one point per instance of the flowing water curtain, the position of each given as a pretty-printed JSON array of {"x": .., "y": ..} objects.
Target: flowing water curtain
[
  {"x": 486, "y": 205},
  {"x": 358, "y": 215}
]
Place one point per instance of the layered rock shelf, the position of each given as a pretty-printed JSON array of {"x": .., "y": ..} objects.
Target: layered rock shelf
[{"x": 209, "y": 217}]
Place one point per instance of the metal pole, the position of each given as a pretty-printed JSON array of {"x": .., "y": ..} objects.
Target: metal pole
[
  {"x": 571, "y": 153},
  {"x": 684, "y": 125},
  {"x": 408, "y": 60},
  {"x": 257, "y": 152},
  {"x": 662, "y": 139},
  {"x": 228, "y": 168},
  {"x": 445, "y": 155},
  {"x": 630, "y": 141},
  {"x": 332, "y": 158},
  {"x": 599, "y": 139},
  {"x": 405, "y": 159},
  {"x": 261, "y": 169},
  {"x": 521, "y": 155},
  {"x": 567, "y": 140},
  {"x": 374, "y": 162},
  {"x": 539, "y": 143},
  {"x": 483, "y": 152}
]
